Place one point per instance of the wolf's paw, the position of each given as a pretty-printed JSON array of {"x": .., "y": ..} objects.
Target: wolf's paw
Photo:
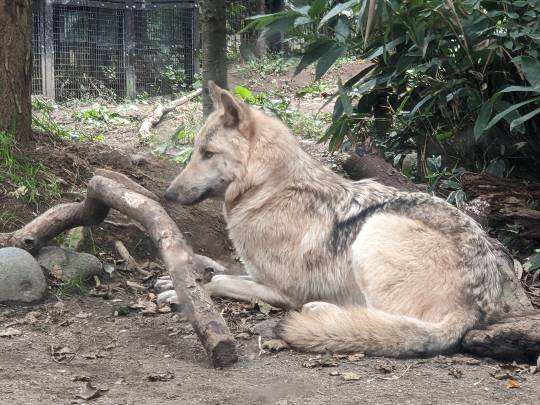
[
  {"x": 163, "y": 283},
  {"x": 317, "y": 307},
  {"x": 165, "y": 291},
  {"x": 167, "y": 297}
]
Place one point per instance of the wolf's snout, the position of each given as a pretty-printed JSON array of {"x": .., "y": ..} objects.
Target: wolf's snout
[{"x": 171, "y": 195}]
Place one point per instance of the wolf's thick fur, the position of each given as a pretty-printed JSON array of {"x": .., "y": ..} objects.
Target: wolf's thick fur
[{"x": 376, "y": 270}]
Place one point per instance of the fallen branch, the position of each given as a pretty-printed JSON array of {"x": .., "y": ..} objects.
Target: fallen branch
[
  {"x": 367, "y": 162},
  {"x": 151, "y": 121},
  {"x": 104, "y": 193},
  {"x": 513, "y": 338},
  {"x": 508, "y": 201},
  {"x": 131, "y": 263}
]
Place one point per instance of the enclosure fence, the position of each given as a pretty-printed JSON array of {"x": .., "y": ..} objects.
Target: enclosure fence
[{"x": 114, "y": 49}]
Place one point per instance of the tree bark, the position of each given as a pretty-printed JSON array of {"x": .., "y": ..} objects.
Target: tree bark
[
  {"x": 508, "y": 201},
  {"x": 15, "y": 67},
  {"x": 214, "y": 48},
  {"x": 516, "y": 338},
  {"x": 368, "y": 162}
]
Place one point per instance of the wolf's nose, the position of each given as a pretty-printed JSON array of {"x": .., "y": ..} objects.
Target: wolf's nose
[{"x": 171, "y": 195}]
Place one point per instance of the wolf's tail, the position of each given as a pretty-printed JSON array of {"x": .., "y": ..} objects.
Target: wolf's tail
[{"x": 371, "y": 331}]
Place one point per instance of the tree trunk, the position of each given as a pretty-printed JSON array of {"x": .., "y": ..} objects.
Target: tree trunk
[
  {"x": 214, "y": 47},
  {"x": 15, "y": 67}
]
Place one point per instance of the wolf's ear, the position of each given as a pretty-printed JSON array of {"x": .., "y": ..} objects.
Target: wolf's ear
[
  {"x": 215, "y": 93},
  {"x": 235, "y": 114}
]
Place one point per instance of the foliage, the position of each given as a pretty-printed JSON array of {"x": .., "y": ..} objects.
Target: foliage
[
  {"x": 279, "y": 106},
  {"x": 29, "y": 179},
  {"x": 270, "y": 64},
  {"x": 463, "y": 75},
  {"x": 98, "y": 115},
  {"x": 76, "y": 285}
]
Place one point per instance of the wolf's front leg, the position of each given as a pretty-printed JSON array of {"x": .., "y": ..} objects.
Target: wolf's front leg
[{"x": 242, "y": 288}]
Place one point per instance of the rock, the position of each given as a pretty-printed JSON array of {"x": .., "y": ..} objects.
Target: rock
[
  {"x": 21, "y": 278},
  {"x": 79, "y": 239},
  {"x": 72, "y": 264},
  {"x": 265, "y": 328}
]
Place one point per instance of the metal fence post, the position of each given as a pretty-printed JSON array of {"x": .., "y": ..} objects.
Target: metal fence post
[
  {"x": 47, "y": 56},
  {"x": 129, "y": 50}
]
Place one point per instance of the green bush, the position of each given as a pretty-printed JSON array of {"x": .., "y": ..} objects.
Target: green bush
[{"x": 457, "y": 78}]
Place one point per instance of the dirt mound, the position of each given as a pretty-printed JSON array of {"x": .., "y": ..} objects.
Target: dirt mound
[{"x": 74, "y": 163}]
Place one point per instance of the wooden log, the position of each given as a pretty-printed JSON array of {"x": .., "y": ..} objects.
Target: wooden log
[
  {"x": 104, "y": 193},
  {"x": 160, "y": 111},
  {"x": 508, "y": 201},
  {"x": 366, "y": 162},
  {"x": 514, "y": 338}
]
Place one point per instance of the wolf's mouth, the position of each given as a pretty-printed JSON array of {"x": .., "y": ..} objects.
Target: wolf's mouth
[{"x": 207, "y": 193}]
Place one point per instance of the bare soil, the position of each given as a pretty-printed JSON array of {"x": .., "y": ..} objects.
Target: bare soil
[{"x": 114, "y": 339}]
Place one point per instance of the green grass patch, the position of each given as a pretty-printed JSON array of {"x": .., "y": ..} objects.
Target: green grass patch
[{"x": 30, "y": 180}]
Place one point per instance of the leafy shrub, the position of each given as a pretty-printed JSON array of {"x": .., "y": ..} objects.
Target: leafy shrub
[{"x": 461, "y": 78}]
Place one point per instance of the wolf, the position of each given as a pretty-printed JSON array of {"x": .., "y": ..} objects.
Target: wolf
[{"x": 363, "y": 267}]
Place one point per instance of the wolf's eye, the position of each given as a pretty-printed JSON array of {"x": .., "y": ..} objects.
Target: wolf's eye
[{"x": 207, "y": 155}]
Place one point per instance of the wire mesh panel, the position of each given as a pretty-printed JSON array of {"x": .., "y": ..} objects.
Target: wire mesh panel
[
  {"x": 237, "y": 13},
  {"x": 37, "y": 76},
  {"x": 112, "y": 49},
  {"x": 88, "y": 52},
  {"x": 164, "y": 50}
]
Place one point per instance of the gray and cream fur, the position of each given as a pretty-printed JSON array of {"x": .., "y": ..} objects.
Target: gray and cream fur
[{"x": 363, "y": 266}]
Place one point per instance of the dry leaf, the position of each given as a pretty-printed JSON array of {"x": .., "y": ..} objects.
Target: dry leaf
[
  {"x": 350, "y": 376},
  {"x": 356, "y": 356},
  {"x": 10, "y": 332},
  {"x": 385, "y": 367},
  {"x": 56, "y": 272},
  {"x": 275, "y": 345},
  {"x": 455, "y": 372},
  {"x": 90, "y": 392},
  {"x": 135, "y": 286},
  {"x": 511, "y": 383},
  {"x": 161, "y": 377}
]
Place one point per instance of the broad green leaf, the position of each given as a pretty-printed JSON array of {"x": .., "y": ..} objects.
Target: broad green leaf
[
  {"x": 481, "y": 121},
  {"x": 496, "y": 167},
  {"x": 328, "y": 59},
  {"x": 342, "y": 29},
  {"x": 345, "y": 100},
  {"x": 514, "y": 107},
  {"x": 533, "y": 262},
  {"x": 531, "y": 70},
  {"x": 385, "y": 48},
  {"x": 302, "y": 20},
  {"x": 317, "y": 7},
  {"x": 303, "y": 10},
  {"x": 243, "y": 92},
  {"x": 313, "y": 52},
  {"x": 261, "y": 21},
  {"x": 524, "y": 118},
  {"x": 338, "y": 9},
  {"x": 512, "y": 89}
]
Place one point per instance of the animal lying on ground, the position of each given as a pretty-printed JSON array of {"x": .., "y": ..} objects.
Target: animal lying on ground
[{"x": 365, "y": 268}]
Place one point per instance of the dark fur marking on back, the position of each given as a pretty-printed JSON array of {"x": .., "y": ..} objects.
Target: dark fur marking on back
[{"x": 345, "y": 232}]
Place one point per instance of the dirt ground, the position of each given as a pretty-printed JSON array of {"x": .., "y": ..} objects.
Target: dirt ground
[{"x": 112, "y": 346}]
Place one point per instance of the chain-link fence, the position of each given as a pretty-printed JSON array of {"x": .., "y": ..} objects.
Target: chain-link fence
[{"x": 113, "y": 49}]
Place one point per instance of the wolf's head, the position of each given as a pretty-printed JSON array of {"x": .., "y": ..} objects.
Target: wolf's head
[{"x": 220, "y": 151}]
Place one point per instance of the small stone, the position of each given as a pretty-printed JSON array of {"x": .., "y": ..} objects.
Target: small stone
[
  {"x": 21, "y": 278},
  {"x": 73, "y": 264}
]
